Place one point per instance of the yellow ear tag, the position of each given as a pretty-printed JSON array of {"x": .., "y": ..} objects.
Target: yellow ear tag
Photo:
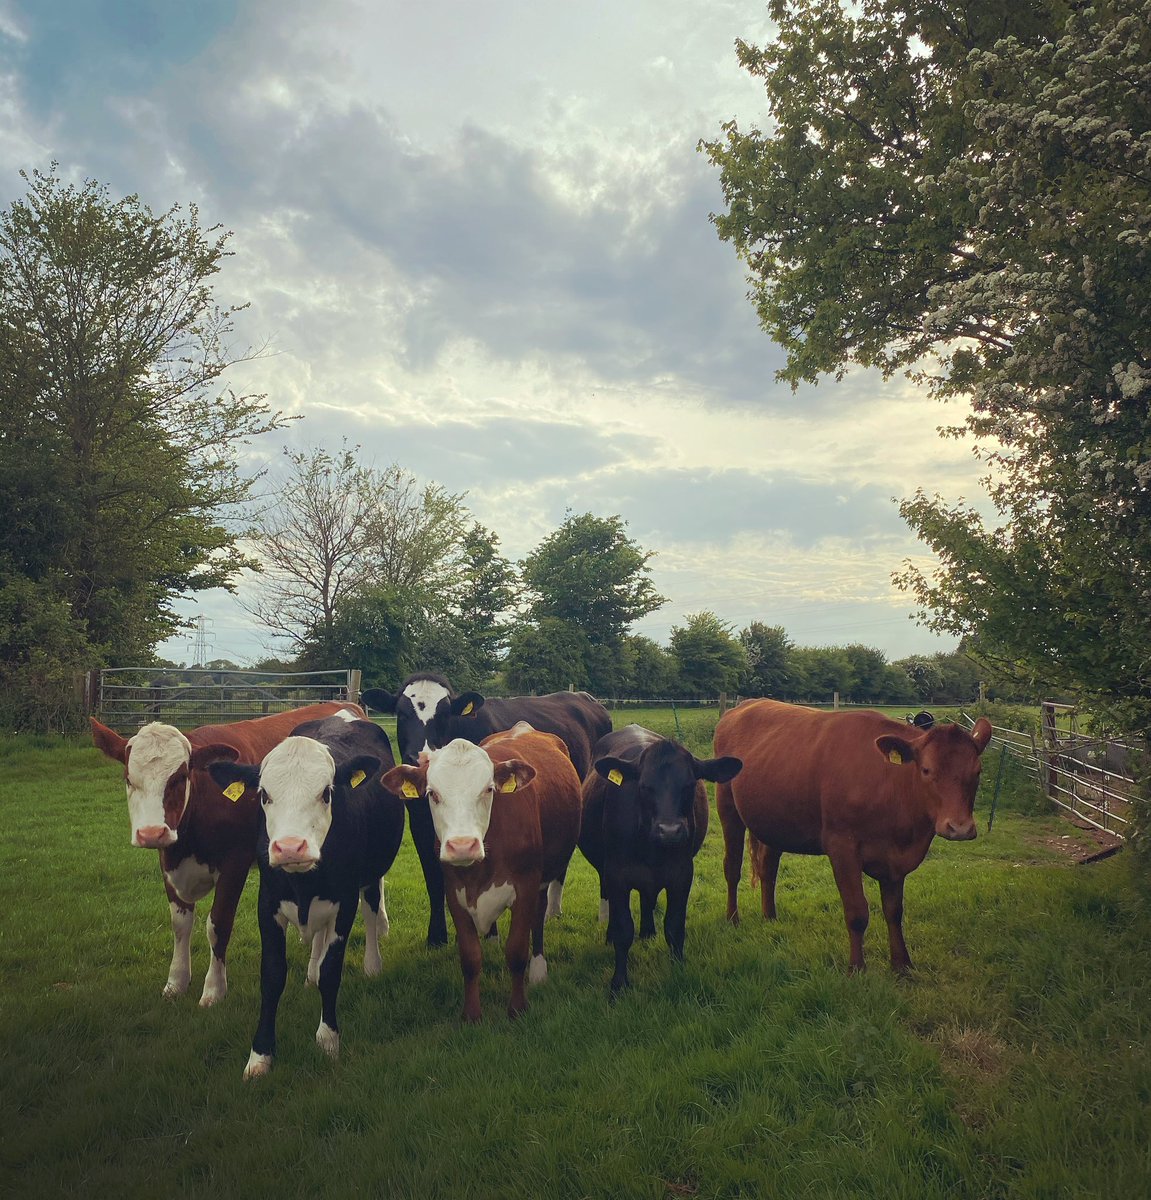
[
  {"x": 615, "y": 777},
  {"x": 468, "y": 709},
  {"x": 357, "y": 779},
  {"x": 234, "y": 791},
  {"x": 896, "y": 757},
  {"x": 410, "y": 790},
  {"x": 509, "y": 784}
]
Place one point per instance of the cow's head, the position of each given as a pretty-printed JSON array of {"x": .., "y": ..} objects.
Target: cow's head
[
  {"x": 424, "y": 706},
  {"x": 460, "y": 782},
  {"x": 947, "y": 763},
  {"x": 296, "y": 784},
  {"x": 158, "y": 763},
  {"x": 664, "y": 780}
]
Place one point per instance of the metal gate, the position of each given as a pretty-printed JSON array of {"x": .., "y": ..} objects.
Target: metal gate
[{"x": 124, "y": 698}]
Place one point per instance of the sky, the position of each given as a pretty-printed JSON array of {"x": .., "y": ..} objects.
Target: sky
[{"x": 475, "y": 241}]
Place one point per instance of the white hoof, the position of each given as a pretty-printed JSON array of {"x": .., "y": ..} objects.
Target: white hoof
[
  {"x": 372, "y": 962},
  {"x": 603, "y": 912},
  {"x": 173, "y": 989},
  {"x": 555, "y": 900},
  {"x": 258, "y": 1065},
  {"x": 328, "y": 1040},
  {"x": 537, "y": 969}
]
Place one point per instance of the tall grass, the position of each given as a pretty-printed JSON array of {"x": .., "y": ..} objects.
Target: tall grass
[{"x": 1014, "y": 1064}]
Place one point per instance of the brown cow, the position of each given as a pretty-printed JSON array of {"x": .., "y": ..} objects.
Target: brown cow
[
  {"x": 857, "y": 786},
  {"x": 205, "y": 838},
  {"x": 507, "y": 817}
]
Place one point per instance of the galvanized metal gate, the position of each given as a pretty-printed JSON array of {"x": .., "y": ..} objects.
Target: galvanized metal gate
[{"x": 124, "y": 698}]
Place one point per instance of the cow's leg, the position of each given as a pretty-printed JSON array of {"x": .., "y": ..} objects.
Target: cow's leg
[
  {"x": 849, "y": 879},
  {"x": 555, "y": 900},
  {"x": 331, "y": 972},
  {"x": 734, "y": 832},
  {"x": 675, "y": 918},
  {"x": 471, "y": 959},
  {"x": 229, "y": 886},
  {"x": 765, "y": 866},
  {"x": 538, "y": 968},
  {"x": 273, "y": 976},
  {"x": 316, "y": 956},
  {"x": 647, "y": 896},
  {"x": 424, "y": 837},
  {"x": 180, "y": 970},
  {"x": 525, "y": 909},
  {"x": 891, "y": 891},
  {"x": 375, "y": 926},
  {"x": 621, "y": 934}
]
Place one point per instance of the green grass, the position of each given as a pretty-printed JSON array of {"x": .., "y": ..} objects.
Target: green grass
[{"x": 1014, "y": 1064}]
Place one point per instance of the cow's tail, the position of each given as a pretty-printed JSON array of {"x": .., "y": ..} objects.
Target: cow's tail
[{"x": 756, "y": 856}]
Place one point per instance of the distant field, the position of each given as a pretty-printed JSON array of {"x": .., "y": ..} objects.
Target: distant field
[{"x": 1016, "y": 1063}]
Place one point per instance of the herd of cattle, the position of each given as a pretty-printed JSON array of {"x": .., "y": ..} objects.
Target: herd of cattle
[{"x": 498, "y": 794}]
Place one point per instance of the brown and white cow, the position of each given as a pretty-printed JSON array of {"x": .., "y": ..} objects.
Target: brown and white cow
[
  {"x": 867, "y": 791},
  {"x": 507, "y": 817},
  {"x": 206, "y": 839}
]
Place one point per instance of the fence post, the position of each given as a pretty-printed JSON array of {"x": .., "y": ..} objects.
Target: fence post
[
  {"x": 835, "y": 700},
  {"x": 353, "y": 685},
  {"x": 722, "y": 703},
  {"x": 1049, "y": 739},
  {"x": 91, "y": 692}
]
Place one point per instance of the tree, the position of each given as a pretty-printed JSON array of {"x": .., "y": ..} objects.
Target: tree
[
  {"x": 964, "y": 190},
  {"x": 118, "y": 465},
  {"x": 548, "y": 656},
  {"x": 591, "y": 576},
  {"x": 709, "y": 659},
  {"x": 767, "y": 649},
  {"x": 649, "y": 670},
  {"x": 484, "y": 591}
]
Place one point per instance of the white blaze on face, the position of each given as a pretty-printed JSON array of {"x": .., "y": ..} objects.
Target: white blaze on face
[
  {"x": 460, "y": 787},
  {"x": 155, "y": 754},
  {"x": 296, "y": 780},
  {"x": 425, "y": 695}
]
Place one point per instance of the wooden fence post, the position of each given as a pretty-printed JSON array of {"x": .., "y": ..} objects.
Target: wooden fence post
[{"x": 353, "y": 685}]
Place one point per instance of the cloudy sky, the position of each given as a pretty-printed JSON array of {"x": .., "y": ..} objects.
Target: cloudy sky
[{"x": 475, "y": 240}]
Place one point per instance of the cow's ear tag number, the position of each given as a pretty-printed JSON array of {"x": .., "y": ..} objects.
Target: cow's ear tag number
[
  {"x": 410, "y": 790},
  {"x": 615, "y": 777},
  {"x": 234, "y": 791},
  {"x": 357, "y": 779},
  {"x": 896, "y": 758},
  {"x": 509, "y": 784}
]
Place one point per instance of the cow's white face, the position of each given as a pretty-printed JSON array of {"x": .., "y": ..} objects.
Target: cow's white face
[
  {"x": 460, "y": 787},
  {"x": 158, "y": 778},
  {"x": 296, "y": 783},
  {"x": 426, "y": 696}
]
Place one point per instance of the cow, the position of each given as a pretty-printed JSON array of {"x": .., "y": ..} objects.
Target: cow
[
  {"x": 857, "y": 786},
  {"x": 507, "y": 818},
  {"x": 644, "y": 819},
  {"x": 329, "y": 831},
  {"x": 206, "y": 840},
  {"x": 429, "y": 715}
]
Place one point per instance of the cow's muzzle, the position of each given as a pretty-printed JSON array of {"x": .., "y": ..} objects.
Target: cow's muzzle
[
  {"x": 462, "y": 851},
  {"x": 154, "y": 837},
  {"x": 292, "y": 854},
  {"x": 957, "y": 831},
  {"x": 669, "y": 833}
]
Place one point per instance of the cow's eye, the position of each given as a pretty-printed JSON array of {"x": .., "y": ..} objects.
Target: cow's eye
[
  {"x": 265, "y": 799},
  {"x": 327, "y": 795},
  {"x": 433, "y": 796}
]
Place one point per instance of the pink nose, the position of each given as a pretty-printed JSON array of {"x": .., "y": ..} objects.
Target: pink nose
[
  {"x": 155, "y": 837},
  {"x": 465, "y": 850},
  {"x": 289, "y": 850},
  {"x": 958, "y": 831}
]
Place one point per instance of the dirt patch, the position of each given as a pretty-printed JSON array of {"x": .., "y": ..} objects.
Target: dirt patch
[{"x": 1085, "y": 845}]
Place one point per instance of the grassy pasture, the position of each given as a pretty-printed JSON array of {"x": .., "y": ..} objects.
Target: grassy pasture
[{"x": 1016, "y": 1063}]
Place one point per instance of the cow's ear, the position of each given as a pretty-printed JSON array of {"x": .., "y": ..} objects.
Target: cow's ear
[
  {"x": 981, "y": 734},
  {"x": 407, "y": 781},
  {"x": 615, "y": 770},
  {"x": 513, "y": 774},
  {"x": 356, "y": 770},
  {"x": 228, "y": 775},
  {"x": 109, "y": 741},
  {"x": 895, "y": 749},
  {"x": 202, "y": 756},
  {"x": 379, "y": 699},
  {"x": 718, "y": 770},
  {"x": 467, "y": 705}
]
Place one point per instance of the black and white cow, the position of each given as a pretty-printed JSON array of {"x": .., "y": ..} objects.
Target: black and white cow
[
  {"x": 644, "y": 819},
  {"x": 329, "y": 830},
  {"x": 429, "y": 715}
]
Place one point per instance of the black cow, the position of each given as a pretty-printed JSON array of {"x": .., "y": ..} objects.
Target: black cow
[
  {"x": 430, "y": 715},
  {"x": 329, "y": 830},
  {"x": 644, "y": 819}
]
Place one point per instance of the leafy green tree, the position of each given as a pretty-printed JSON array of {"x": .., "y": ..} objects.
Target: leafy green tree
[
  {"x": 649, "y": 670},
  {"x": 593, "y": 578},
  {"x": 549, "y": 656},
  {"x": 118, "y": 464},
  {"x": 709, "y": 658},
  {"x": 767, "y": 649},
  {"x": 370, "y": 629},
  {"x": 869, "y": 675},
  {"x": 924, "y": 675},
  {"x": 820, "y": 672},
  {"x": 483, "y": 594},
  {"x": 964, "y": 190}
]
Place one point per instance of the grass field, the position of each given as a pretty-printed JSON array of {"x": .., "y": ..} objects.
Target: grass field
[{"x": 1015, "y": 1063}]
